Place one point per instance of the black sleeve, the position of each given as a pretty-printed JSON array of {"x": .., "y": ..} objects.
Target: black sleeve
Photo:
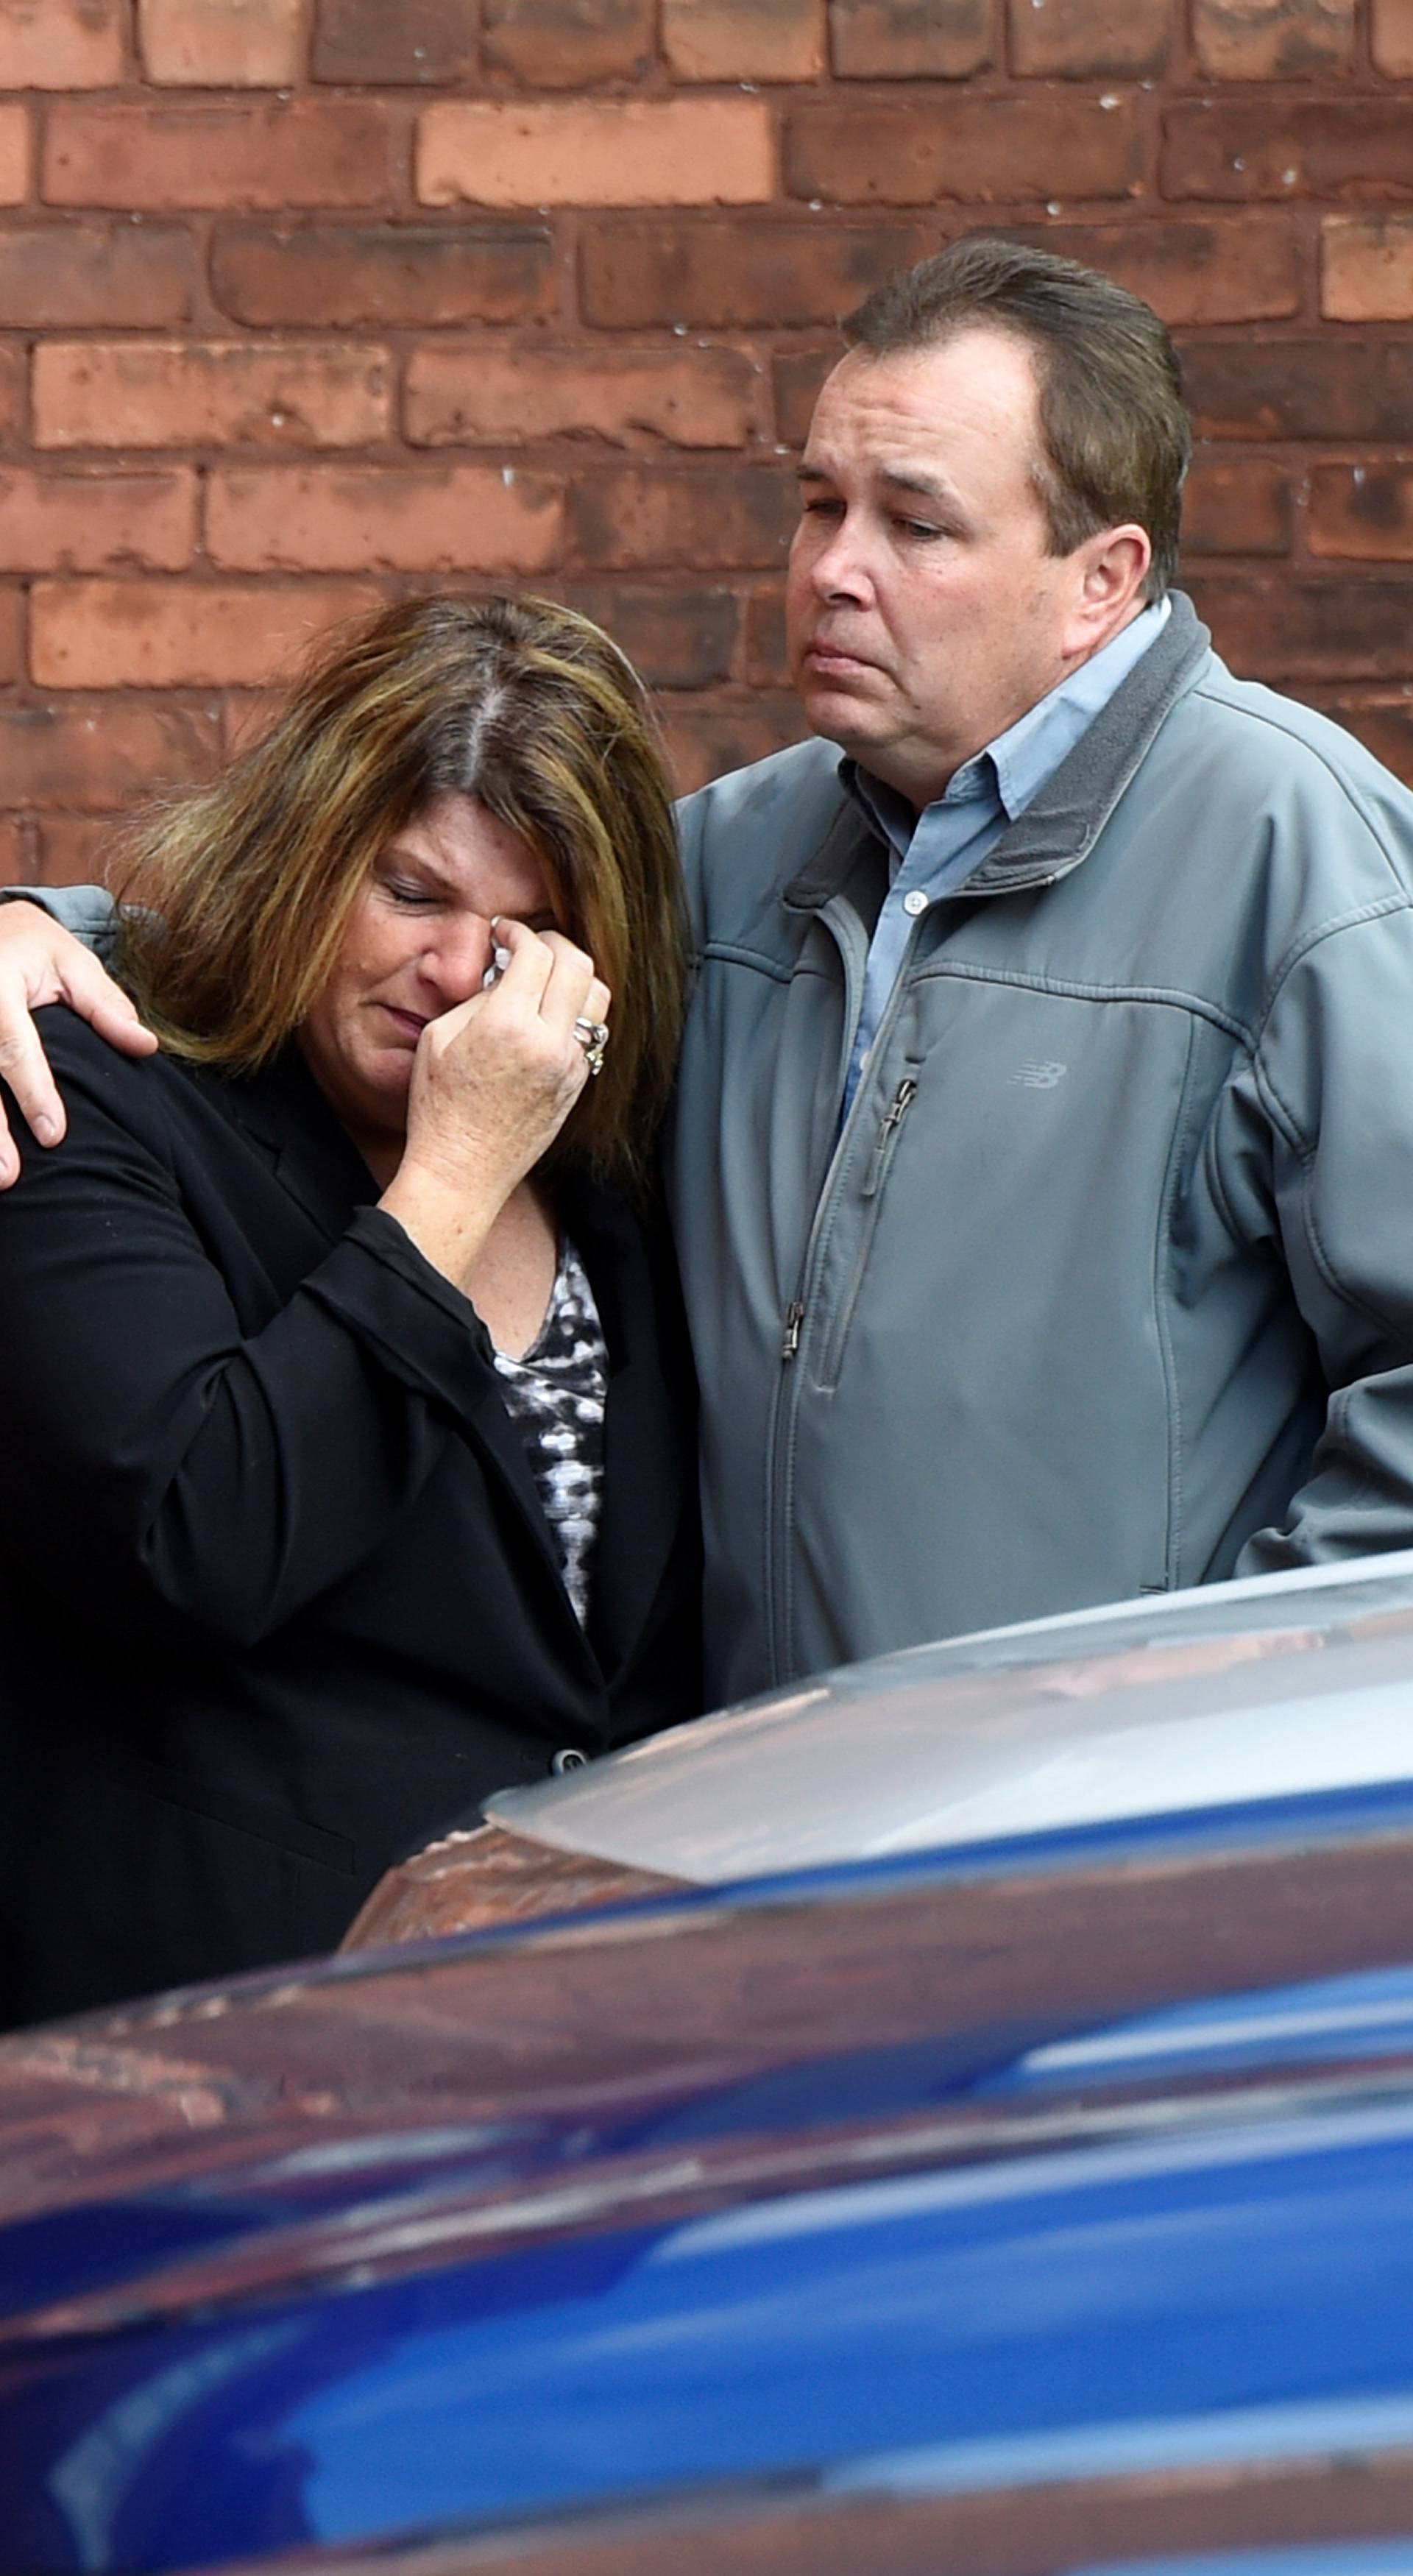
[{"x": 156, "y": 1464}]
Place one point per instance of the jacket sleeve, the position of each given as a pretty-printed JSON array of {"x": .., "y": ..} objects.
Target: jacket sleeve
[
  {"x": 158, "y": 1466},
  {"x": 1331, "y": 1085},
  {"x": 88, "y": 911}
]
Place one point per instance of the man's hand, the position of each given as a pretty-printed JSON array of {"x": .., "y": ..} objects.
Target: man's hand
[{"x": 41, "y": 962}]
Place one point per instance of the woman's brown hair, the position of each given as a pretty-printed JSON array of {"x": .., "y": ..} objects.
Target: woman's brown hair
[{"x": 245, "y": 886}]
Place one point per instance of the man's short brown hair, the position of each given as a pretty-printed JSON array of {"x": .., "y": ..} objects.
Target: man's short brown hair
[{"x": 1115, "y": 432}]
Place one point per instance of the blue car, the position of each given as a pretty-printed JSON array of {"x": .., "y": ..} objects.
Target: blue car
[{"x": 1039, "y": 2200}]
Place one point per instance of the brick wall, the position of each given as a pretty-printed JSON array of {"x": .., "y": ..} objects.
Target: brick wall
[{"x": 302, "y": 301}]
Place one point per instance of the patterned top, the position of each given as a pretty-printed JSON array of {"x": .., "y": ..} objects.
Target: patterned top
[{"x": 555, "y": 1396}]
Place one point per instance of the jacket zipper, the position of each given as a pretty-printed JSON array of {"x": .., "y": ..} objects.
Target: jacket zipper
[
  {"x": 888, "y": 1133},
  {"x": 780, "y": 1436}
]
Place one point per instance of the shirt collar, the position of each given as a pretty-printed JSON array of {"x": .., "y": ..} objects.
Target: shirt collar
[{"x": 1011, "y": 770}]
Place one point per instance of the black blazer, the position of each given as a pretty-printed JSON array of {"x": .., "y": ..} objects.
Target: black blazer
[{"x": 278, "y": 1595}]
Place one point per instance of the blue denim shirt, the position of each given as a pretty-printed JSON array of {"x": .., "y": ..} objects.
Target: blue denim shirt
[{"x": 933, "y": 853}]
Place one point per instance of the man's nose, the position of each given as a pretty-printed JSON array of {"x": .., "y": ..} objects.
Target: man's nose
[{"x": 840, "y": 568}]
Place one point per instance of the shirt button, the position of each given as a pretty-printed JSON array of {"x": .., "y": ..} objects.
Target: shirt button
[
  {"x": 915, "y": 902},
  {"x": 568, "y": 1759}
]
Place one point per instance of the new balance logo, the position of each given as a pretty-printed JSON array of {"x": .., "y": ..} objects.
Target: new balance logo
[{"x": 1040, "y": 1077}]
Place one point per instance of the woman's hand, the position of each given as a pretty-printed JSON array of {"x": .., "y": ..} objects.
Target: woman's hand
[
  {"x": 493, "y": 1083},
  {"x": 42, "y": 962}
]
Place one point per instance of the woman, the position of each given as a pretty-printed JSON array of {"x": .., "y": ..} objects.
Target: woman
[{"x": 346, "y": 1398}]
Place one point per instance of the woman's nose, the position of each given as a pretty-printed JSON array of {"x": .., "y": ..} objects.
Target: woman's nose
[{"x": 457, "y": 956}]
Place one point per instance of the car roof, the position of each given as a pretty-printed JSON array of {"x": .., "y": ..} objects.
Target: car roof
[{"x": 1272, "y": 1687}]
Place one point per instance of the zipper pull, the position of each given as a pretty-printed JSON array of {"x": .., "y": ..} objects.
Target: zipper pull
[
  {"x": 893, "y": 1117},
  {"x": 794, "y": 1318}
]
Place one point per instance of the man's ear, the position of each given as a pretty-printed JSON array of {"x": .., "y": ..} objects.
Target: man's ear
[{"x": 1110, "y": 570}]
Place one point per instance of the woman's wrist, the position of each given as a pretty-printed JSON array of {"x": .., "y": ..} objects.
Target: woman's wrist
[{"x": 448, "y": 1221}]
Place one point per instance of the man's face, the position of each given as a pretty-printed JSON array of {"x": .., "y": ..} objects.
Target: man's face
[{"x": 925, "y": 611}]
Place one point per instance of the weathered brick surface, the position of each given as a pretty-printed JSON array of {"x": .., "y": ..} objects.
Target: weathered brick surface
[
  {"x": 72, "y": 521},
  {"x": 91, "y": 755},
  {"x": 143, "y": 394},
  {"x": 307, "y": 301},
  {"x": 1241, "y": 268},
  {"x": 631, "y": 152},
  {"x": 352, "y": 518},
  {"x": 1236, "y": 505},
  {"x": 964, "y": 152},
  {"x": 1289, "y": 148},
  {"x": 910, "y": 39},
  {"x": 61, "y": 44},
  {"x": 1299, "y": 388},
  {"x": 725, "y": 40},
  {"x": 1367, "y": 268},
  {"x": 1391, "y": 38},
  {"x": 73, "y": 849},
  {"x": 310, "y": 152},
  {"x": 64, "y": 277},
  {"x": 406, "y": 276},
  {"x": 468, "y": 396},
  {"x": 1273, "y": 39},
  {"x": 722, "y": 275},
  {"x": 416, "y": 42},
  {"x": 180, "y": 634},
  {"x": 568, "y": 44},
  {"x": 651, "y": 514},
  {"x": 1362, "y": 511},
  {"x": 1084, "y": 39},
  {"x": 222, "y": 44}
]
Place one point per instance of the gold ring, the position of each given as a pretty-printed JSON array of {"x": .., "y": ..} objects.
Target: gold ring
[{"x": 593, "y": 1038}]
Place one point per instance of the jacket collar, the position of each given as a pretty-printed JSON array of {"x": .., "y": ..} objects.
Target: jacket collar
[{"x": 1054, "y": 834}]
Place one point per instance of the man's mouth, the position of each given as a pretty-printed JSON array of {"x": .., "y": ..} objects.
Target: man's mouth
[{"x": 829, "y": 658}]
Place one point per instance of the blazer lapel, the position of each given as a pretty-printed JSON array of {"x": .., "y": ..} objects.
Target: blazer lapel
[{"x": 650, "y": 1423}]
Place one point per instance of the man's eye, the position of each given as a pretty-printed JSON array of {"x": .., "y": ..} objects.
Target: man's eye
[
  {"x": 821, "y": 509},
  {"x": 922, "y": 528}
]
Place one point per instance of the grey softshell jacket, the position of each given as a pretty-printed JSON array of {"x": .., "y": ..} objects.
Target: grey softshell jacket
[{"x": 1106, "y": 1285}]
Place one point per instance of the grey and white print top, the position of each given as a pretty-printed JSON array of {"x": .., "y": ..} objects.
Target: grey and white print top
[{"x": 555, "y": 1396}]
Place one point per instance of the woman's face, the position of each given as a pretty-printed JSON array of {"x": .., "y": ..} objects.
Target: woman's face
[{"x": 418, "y": 942}]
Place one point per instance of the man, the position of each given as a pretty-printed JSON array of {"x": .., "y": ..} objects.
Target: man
[{"x": 1043, "y": 1164}]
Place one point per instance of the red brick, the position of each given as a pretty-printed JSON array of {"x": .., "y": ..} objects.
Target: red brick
[
  {"x": 1285, "y": 628},
  {"x": 799, "y": 373},
  {"x": 975, "y": 151},
  {"x": 1299, "y": 388},
  {"x": 17, "y": 866},
  {"x": 157, "y": 393},
  {"x": 1363, "y": 512},
  {"x": 222, "y": 44},
  {"x": 1236, "y": 505},
  {"x": 14, "y": 397},
  {"x": 704, "y": 742},
  {"x": 53, "y": 277},
  {"x": 1392, "y": 38},
  {"x": 909, "y": 39},
  {"x": 180, "y": 634},
  {"x": 601, "y": 152},
  {"x": 12, "y": 634},
  {"x": 767, "y": 657},
  {"x": 312, "y": 152},
  {"x": 61, "y": 44},
  {"x": 709, "y": 518},
  {"x": 714, "y": 275},
  {"x": 415, "y": 279},
  {"x": 1273, "y": 39},
  {"x": 416, "y": 42},
  {"x": 78, "y": 849},
  {"x": 1080, "y": 39},
  {"x": 675, "y": 639},
  {"x": 1367, "y": 268},
  {"x": 96, "y": 757},
  {"x": 726, "y": 40},
  {"x": 1382, "y": 719},
  {"x": 1239, "y": 269},
  {"x": 14, "y": 155},
  {"x": 353, "y": 518},
  {"x": 629, "y": 397},
  {"x": 246, "y": 714},
  {"x": 566, "y": 44},
  {"x": 1291, "y": 148},
  {"x": 113, "y": 522}
]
